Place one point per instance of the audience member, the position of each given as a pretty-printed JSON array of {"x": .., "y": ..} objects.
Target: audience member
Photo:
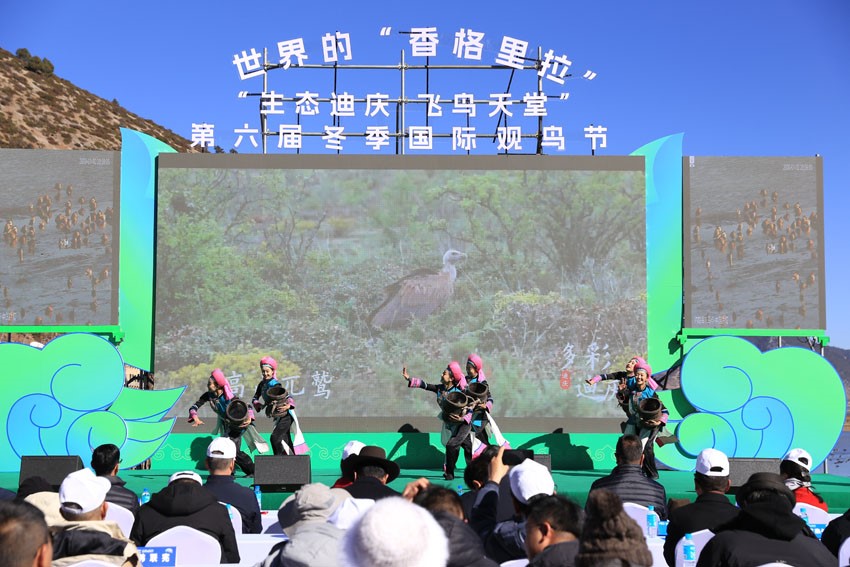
[
  {"x": 628, "y": 481},
  {"x": 766, "y": 530},
  {"x": 104, "y": 462},
  {"x": 372, "y": 472},
  {"x": 395, "y": 533},
  {"x": 24, "y": 537},
  {"x": 475, "y": 476},
  {"x": 465, "y": 548},
  {"x": 552, "y": 531},
  {"x": 711, "y": 508},
  {"x": 185, "y": 502},
  {"x": 836, "y": 532},
  {"x": 313, "y": 542},
  {"x": 610, "y": 538},
  {"x": 795, "y": 470},
  {"x": 40, "y": 493},
  {"x": 504, "y": 541},
  {"x": 84, "y": 534},
  {"x": 351, "y": 448},
  {"x": 221, "y": 462}
]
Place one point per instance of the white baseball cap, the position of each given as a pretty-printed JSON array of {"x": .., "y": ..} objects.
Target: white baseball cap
[
  {"x": 801, "y": 457},
  {"x": 712, "y": 462},
  {"x": 530, "y": 478},
  {"x": 191, "y": 475},
  {"x": 351, "y": 448},
  {"x": 82, "y": 491},
  {"x": 221, "y": 448}
]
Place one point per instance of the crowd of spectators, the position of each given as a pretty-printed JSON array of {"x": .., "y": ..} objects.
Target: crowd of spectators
[{"x": 514, "y": 515}]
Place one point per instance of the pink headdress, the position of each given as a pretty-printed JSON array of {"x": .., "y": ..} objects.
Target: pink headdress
[
  {"x": 270, "y": 362},
  {"x": 645, "y": 366},
  {"x": 457, "y": 374},
  {"x": 479, "y": 365},
  {"x": 219, "y": 378}
]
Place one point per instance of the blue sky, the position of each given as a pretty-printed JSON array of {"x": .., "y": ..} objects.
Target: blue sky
[{"x": 737, "y": 78}]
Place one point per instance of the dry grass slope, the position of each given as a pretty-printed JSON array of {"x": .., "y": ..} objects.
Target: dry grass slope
[{"x": 47, "y": 112}]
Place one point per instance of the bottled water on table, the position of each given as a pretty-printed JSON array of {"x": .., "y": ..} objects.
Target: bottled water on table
[
  {"x": 259, "y": 494},
  {"x": 145, "y": 497},
  {"x": 651, "y": 523},
  {"x": 689, "y": 552}
]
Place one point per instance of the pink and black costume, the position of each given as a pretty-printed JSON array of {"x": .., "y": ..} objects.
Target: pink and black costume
[
  {"x": 224, "y": 427},
  {"x": 456, "y": 435},
  {"x": 479, "y": 420},
  {"x": 283, "y": 423}
]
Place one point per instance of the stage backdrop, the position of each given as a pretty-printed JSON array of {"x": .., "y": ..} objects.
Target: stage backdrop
[{"x": 69, "y": 396}]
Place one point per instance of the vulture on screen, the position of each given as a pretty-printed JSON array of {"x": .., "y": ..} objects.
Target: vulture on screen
[{"x": 417, "y": 295}]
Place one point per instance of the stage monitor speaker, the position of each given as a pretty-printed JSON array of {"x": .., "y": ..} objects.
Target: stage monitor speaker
[
  {"x": 282, "y": 473},
  {"x": 52, "y": 469},
  {"x": 741, "y": 469}
]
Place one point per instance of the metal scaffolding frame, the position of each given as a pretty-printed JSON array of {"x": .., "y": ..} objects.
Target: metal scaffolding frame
[{"x": 399, "y": 135}]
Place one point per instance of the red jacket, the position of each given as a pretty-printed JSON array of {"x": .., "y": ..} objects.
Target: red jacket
[{"x": 804, "y": 495}]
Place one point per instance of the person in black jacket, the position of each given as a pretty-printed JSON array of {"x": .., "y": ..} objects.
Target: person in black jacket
[
  {"x": 552, "y": 531},
  {"x": 711, "y": 508},
  {"x": 628, "y": 481},
  {"x": 184, "y": 502},
  {"x": 221, "y": 462},
  {"x": 765, "y": 531},
  {"x": 372, "y": 472},
  {"x": 104, "y": 462}
]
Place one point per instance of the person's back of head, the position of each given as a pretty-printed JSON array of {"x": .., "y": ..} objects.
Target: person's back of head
[
  {"x": 371, "y": 471},
  {"x": 551, "y": 520},
  {"x": 764, "y": 487},
  {"x": 529, "y": 479},
  {"x": 629, "y": 450},
  {"x": 440, "y": 499},
  {"x": 221, "y": 456},
  {"x": 395, "y": 533},
  {"x": 105, "y": 458},
  {"x": 24, "y": 537},
  {"x": 609, "y": 535},
  {"x": 477, "y": 472},
  {"x": 82, "y": 496},
  {"x": 712, "y": 472}
]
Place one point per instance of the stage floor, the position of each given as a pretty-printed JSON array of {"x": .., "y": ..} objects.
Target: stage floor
[{"x": 575, "y": 484}]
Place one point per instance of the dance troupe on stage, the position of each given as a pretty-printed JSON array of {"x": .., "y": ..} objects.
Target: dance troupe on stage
[{"x": 465, "y": 401}]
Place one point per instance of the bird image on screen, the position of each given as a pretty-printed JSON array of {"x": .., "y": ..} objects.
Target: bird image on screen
[{"x": 417, "y": 295}]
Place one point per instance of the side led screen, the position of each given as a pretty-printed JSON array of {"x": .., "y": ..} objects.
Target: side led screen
[
  {"x": 58, "y": 256},
  {"x": 754, "y": 234}
]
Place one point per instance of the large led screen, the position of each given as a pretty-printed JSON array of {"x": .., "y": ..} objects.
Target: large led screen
[
  {"x": 754, "y": 258},
  {"x": 347, "y": 269},
  {"x": 58, "y": 256}
]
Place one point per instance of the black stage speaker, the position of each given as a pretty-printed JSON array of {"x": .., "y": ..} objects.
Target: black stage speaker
[
  {"x": 52, "y": 469},
  {"x": 282, "y": 473},
  {"x": 741, "y": 469}
]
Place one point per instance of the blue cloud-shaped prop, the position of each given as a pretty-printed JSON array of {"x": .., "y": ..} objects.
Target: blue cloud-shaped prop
[
  {"x": 69, "y": 397},
  {"x": 753, "y": 404}
]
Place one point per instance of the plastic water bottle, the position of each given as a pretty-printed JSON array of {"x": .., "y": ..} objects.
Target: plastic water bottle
[
  {"x": 230, "y": 511},
  {"x": 689, "y": 552},
  {"x": 460, "y": 490},
  {"x": 259, "y": 494},
  {"x": 145, "y": 497},
  {"x": 651, "y": 523},
  {"x": 805, "y": 516}
]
